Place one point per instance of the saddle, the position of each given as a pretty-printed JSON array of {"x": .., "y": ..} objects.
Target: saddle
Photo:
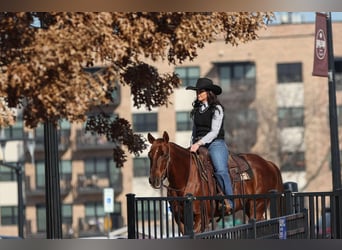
[{"x": 239, "y": 168}]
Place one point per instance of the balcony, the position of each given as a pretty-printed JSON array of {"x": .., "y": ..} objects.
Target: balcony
[
  {"x": 63, "y": 140},
  {"x": 91, "y": 186},
  {"x": 94, "y": 226},
  {"x": 36, "y": 194},
  {"x": 85, "y": 141}
]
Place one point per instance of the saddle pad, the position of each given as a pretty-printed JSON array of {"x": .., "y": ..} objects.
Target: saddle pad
[{"x": 239, "y": 169}]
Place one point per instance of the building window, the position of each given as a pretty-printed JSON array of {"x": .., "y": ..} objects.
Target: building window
[
  {"x": 292, "y": 161},
  {"x": 96, "y": 166},
  {"x": 64, "y": 132},
  {"x": 93, "y": 212},
  {"x": 17, "y": 130},
  {"x": 7, "y": 174},
  {"x": 41, "y": 218},
  {"x": 338, "y": 74},
  {"x": 102, "y": 168},
  {"x": 40, "y": 175},
  {"x": 145, "y": 122},
  {"x": 65, "y": 172},
  {"x": 67, "y": 214},
  {"x": 291, "y": 117},
  {"x": 141, "y": 166},
  {"x": 188, "y": 75},
  {"x": 65, "y": 169},
  {"x": 183, "y": 121},
  {"x": 9, "y": 215},
  {"x": 289, "y": 72},
  {"x": 236, "y": 75},
  {"x": 245, "y": 117}
]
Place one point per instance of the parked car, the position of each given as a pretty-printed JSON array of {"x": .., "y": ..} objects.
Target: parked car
[{"x": 8, "y": 237}]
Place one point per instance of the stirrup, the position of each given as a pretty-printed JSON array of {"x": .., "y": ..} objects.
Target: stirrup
[{"x": 226, "y": 206}]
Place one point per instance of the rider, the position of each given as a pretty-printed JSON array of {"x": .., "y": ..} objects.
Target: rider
[{"x": 208, "y": 131}]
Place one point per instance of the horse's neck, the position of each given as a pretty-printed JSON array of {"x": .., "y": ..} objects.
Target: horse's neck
[{"x": 179, "y": 165}]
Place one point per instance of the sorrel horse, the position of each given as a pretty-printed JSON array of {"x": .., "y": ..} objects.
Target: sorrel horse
[{"x": 178, "y": 165}]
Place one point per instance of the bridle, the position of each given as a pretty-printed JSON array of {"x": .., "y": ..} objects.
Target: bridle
[{"x": 165, "y": 174}]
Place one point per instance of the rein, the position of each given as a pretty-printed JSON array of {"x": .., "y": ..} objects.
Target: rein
[{"x": 166, "y": 171}]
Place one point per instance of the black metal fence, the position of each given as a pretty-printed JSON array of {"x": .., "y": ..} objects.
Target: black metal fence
[
  {"x": 292, "y": 226},
  {"x": 151, "y": 217}
]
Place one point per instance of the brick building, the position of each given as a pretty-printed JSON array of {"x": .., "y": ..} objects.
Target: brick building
[{"x": 273, "y": 104}]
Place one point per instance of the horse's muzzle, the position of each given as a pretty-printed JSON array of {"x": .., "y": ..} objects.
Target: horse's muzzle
[{"x": 155, "y": 182}]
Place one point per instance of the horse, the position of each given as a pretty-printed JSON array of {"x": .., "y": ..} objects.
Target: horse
[{"x": 181, "y": 168}]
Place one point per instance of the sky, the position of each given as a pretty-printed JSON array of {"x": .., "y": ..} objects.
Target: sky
[{"x": 307, "y": 16}]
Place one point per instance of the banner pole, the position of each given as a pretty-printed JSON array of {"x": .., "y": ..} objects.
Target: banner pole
[{"x": 334, "y": 137}]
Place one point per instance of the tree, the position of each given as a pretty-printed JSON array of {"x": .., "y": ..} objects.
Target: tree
[{"x": 43, "y": 56}]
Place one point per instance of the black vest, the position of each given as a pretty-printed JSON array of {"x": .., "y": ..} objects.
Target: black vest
[{"x": 202, "y": 122}]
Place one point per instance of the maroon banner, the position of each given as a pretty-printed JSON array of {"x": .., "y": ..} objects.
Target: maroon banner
[{"x": 320, "y": 65}]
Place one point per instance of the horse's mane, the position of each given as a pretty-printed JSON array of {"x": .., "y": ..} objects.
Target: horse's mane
[{"x": 179, "y": 146}]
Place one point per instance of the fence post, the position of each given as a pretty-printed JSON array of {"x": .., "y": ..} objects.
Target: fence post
[
  {"x": 274, "y": 207},
  {"x": 338, "y": 208},
  {"x": 288, "y": 202},
  {"x": 131, "y": 216},
  {"x": 292, "y": 187},
  {"x": 188, "y": 216}
]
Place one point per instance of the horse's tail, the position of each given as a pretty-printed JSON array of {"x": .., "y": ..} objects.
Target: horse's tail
[{"x": 280, "y": 183}]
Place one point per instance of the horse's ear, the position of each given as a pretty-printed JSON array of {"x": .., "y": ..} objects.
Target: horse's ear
[
  {"x": 166, "y": 136},
  {"x": 150, "y": 138}
]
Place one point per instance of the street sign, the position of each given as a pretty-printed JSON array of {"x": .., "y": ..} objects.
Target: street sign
[
  {"x": 108, "y": 200},
  {"x": 282, "y": 228}
]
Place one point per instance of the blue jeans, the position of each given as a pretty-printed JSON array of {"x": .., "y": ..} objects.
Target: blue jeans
[{"x": 218, "y": 151}]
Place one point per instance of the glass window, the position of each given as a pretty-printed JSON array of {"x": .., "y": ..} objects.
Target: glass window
[
  {"x": 188, "y": 75},
  {"x": 242, "y": 73},
  {"x": 7, "y": 174},
  {"x": 67, "y": 213},
  {"x": 41, "y": 218},
  {"x": 141, "y": 166},
  {"x": 289, "y": 72},
  {"x": 94, "y": 210},
  {"x": 292, "y": 161},
  {"x": 96, "y": 166},
  {"x": 65, "y": 169},
  {"x": 40, "y": 175},
  {"x": 103, "y": 168},
  {"x": 183, "y": 121},
  {"x": 114, "y": 173},
  {"x": 9, "y": 215},
  {"x": 245, "y": 117},
  {"x": 17, "y": 130},
  {"x": 291, "y": 117},
  {"x": 145, "y": 122},
  {"x": 225, "y": 77},
  {"x": 65, "y": 172}
]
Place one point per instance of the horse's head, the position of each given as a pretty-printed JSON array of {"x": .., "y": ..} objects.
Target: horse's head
[{"x": 159, "y": 155}]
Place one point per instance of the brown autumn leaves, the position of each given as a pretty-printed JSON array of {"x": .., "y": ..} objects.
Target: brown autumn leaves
[{"x": 42, "y": 67}]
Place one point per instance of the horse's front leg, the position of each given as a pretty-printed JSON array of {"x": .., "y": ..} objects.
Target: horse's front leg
[
  {"x": 181, "y": 228},
  {"x": 197, "y": 223},
  {"x": 257, "y": 209}
]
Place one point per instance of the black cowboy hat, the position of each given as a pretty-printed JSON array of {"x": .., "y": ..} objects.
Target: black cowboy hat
[{"x": 206, "y": 84}]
